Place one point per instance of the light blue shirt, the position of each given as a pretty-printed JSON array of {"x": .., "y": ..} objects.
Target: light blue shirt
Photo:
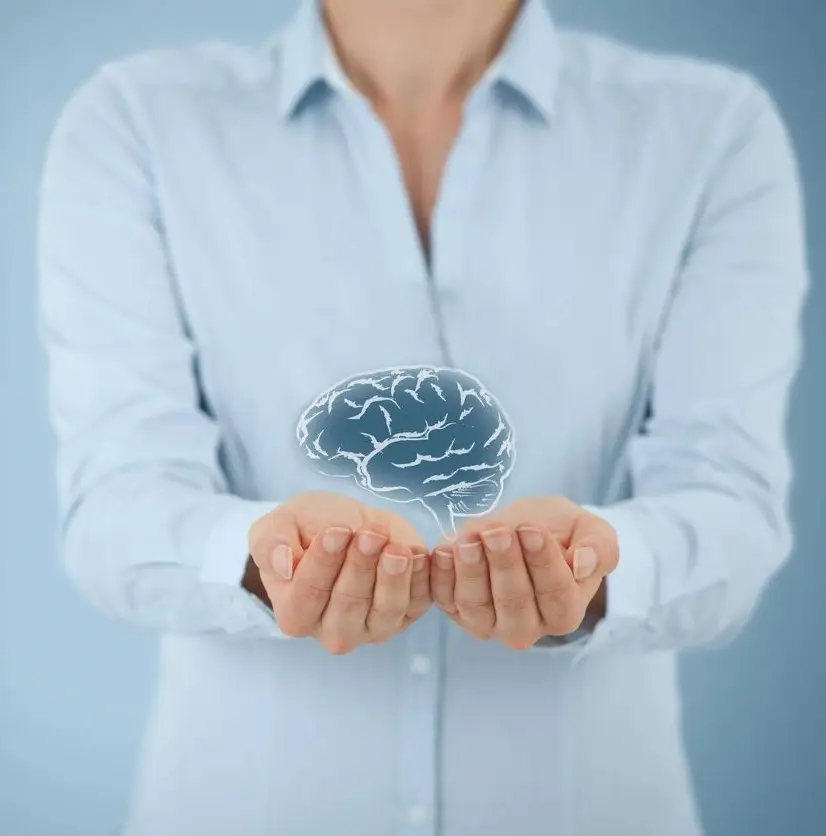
[{"x": 617, "y": 253}]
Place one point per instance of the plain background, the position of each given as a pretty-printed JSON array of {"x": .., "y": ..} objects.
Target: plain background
[{"x": 74, "y": 688}]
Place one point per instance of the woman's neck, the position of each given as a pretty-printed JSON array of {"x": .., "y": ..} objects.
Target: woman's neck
[{"x": 417, "y": 54}]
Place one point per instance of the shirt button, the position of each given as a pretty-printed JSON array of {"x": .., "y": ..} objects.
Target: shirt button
[
  {"x": 416, "y": 815},
  {"x": 420, "y": 664}
]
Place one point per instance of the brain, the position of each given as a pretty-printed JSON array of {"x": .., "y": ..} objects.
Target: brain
[{"x": 416, "y": 434}]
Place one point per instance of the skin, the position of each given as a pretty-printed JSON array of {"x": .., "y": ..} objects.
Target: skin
[
  {"x": 415, "y": 61},
  {"x": 339, "y": 571},
  {"x": 348, "y": 574},
  {"x": 526, "y": 572},
  {"x": 540, "y": 563}
]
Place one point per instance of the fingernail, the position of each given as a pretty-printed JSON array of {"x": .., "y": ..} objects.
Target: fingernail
[
  {"x": 497, "y": 540},
  {"x": 585, "y": 563},
  {"x": 470, "y": 553},
  {"x": 370, "y": 542},
  {"x": 443, "y": 558},
  {"x": 394, "y": 564},
  {"x": 282, "y": 561},
  {"x": 335, "y": 539},
  {"x": 419, "y": 562},
  {"x": 531, "y": 539}
]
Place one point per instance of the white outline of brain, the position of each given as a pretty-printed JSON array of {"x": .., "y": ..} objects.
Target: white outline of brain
[{"x": 403, "y": 422}]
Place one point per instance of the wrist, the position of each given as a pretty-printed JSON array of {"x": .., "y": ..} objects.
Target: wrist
[
  {"x": 253, "y": 584},
  {"x": 597, "y": 608}
]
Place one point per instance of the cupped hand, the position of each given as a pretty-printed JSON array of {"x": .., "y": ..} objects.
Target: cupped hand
[
  {"x": 340, "y": 571},
  {"x": 525, "y": 572}
]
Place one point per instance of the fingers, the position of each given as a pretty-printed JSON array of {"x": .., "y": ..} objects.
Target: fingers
[
  {"x": 275, "y": 545},
  {"x": 593, "y": 551},
  {"x": 344, "y": 620},
  {"x": 583, "y": 543},
  {"x": 300, "y": 602},
  {"x": 514, "y": 579},
  {"x": 420, "y": 599},
  {"x": 518, "y": 589},
  {"x": 443, "y": 579},
  {"x": 352, "y": 589},
  {"x": 517, "y": 619},
  {"x": 391, "y": 597},
  {"x": 340, "y": 571},
  {"x": 472, "y": 592},
  {"x": 560, "y": 603}
]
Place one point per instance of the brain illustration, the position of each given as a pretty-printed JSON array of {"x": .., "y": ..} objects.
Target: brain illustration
[{"x": 415, "y": 434}]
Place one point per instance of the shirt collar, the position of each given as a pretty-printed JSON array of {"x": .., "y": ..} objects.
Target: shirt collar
[
  {"x": 307, "y": 58},
  {"x": 528, "y": 65},
  {"x": 530, "y": 61}
]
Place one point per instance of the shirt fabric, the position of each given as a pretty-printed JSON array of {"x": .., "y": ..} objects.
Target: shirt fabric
[{"x": 617, "y": 253}]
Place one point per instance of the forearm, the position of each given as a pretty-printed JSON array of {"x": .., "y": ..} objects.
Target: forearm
[
  {"x": 150, "y": 530},
  {"x": 706, "y": 527},
  {"x": 693, "y": 565},
  {"x": 161, "y": 549}
]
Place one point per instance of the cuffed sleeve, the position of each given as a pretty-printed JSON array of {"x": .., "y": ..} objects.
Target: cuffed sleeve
[
  {"x": 631, "y": 585},
  {"x": 149, "y": 530},
  {"x": 226, "y": 554},
  {"x": 707, "y": 525}
]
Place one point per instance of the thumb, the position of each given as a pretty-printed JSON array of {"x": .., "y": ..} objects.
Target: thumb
[
  {"x": 593, "y": 550},
  {"x": 275, "y": 544}
]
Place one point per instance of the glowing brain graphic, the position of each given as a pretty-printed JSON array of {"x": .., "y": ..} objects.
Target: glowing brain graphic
[{"x": 415, "y": 434}]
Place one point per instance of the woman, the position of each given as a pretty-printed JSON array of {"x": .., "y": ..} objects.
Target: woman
[{"x": 610, "y": 241}]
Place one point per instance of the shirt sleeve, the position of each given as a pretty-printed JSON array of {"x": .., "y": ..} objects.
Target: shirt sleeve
[
  {"x": 707, "y": 525},
  {"x": 149, "y": 530}
]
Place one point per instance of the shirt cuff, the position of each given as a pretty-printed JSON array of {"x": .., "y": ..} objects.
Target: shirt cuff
[
  {"x": 227, "y": 547},
  {"x": 631, "y": 587},
  {"x": 631, "y": 584}
]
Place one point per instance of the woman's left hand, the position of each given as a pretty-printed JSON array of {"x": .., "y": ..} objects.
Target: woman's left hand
[{"x": 525, "y": 572}]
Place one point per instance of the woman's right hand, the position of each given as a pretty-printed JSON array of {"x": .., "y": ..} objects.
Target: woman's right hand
[{"x": 340, "y": 571}]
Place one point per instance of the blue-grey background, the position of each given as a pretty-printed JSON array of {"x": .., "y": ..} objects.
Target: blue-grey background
[{"x": 74, "y": 688}]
